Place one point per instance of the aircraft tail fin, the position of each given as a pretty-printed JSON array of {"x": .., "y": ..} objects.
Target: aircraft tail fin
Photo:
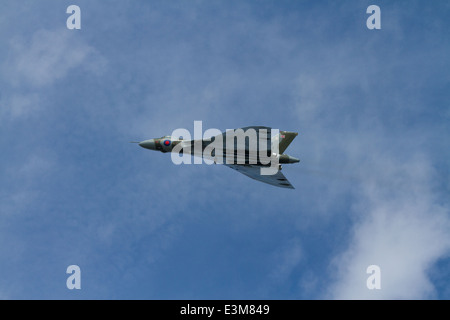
[{"x": 284, "y": 139}]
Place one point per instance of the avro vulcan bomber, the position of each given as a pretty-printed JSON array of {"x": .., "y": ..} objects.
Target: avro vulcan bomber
[{"x": 252, "y": 151}]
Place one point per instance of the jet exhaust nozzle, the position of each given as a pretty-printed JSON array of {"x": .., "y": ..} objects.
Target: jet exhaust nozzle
[{"x": 284, "y": 158}]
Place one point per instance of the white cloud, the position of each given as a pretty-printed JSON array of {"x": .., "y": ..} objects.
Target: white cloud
[
  {"x": 400, "y": 222},
  {"x": 402, "y": 229}
]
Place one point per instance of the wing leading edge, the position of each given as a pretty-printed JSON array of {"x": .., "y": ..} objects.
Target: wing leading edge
[{"x": 254, "y": 172}]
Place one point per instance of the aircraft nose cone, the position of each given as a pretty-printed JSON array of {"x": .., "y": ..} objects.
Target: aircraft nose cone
[{"x": 148, "y": 144}]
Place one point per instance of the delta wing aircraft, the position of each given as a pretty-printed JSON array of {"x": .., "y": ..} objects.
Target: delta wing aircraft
[{"x": 247, "y": 150}]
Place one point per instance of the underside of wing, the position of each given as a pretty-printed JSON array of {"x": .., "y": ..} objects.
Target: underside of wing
[{"x": 254, "y": 172}]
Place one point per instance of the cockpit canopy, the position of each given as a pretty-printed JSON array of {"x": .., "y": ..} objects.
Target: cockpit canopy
[{"x": 172, "y": 138}]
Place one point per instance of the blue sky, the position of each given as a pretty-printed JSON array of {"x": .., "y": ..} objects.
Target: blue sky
[{"x": 371, "y": 108}]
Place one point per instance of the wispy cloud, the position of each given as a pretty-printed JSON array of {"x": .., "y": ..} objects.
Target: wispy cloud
[
  {"x": 37, "y": 61},
  {"x": 48, "y": 56},
  {"x": 286, "y": 260},
  {"x": 401, "y": 227},
  {"x": 399, "y": 219}
]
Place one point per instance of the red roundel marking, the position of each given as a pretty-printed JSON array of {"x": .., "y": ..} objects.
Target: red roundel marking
[{"x": 167, "y": 142}]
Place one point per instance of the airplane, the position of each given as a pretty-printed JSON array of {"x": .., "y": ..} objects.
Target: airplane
[{"x": 242, "y": 157}]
